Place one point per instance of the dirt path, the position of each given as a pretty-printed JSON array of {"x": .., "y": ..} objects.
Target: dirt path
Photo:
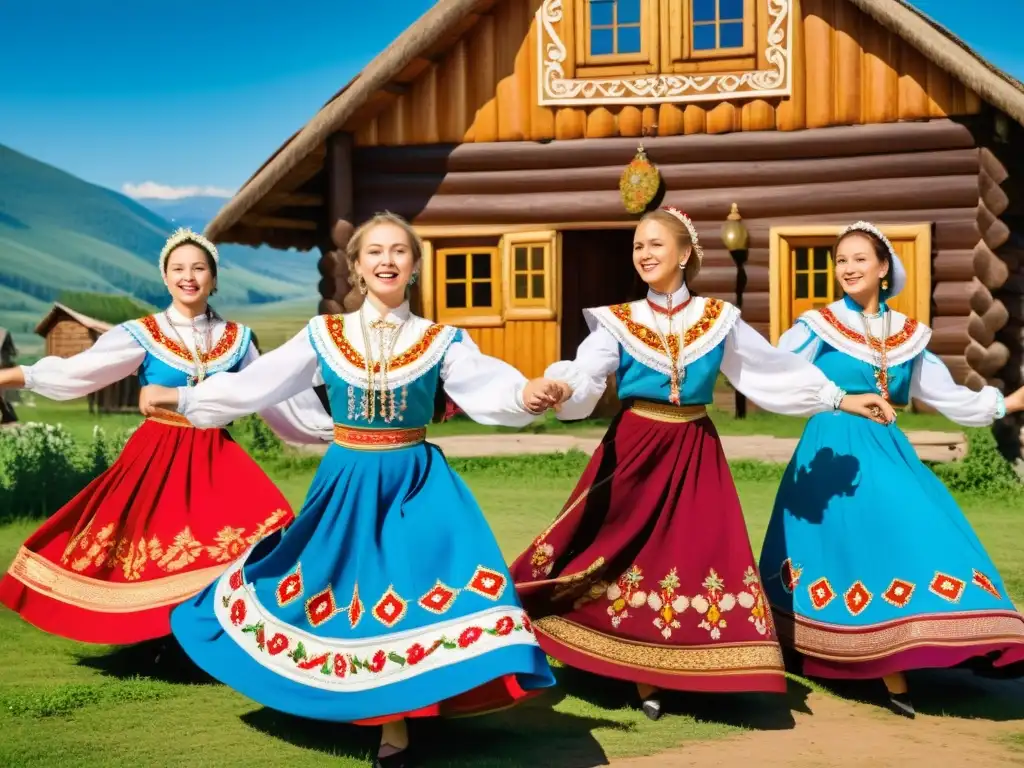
[{"x": 842, "y": 734}]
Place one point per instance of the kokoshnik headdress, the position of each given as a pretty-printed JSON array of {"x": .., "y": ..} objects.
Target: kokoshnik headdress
[
  {"x": 898, "y": 275},
  {"x": 181, "y": 237},
  {"x": 697, "y": 250}
]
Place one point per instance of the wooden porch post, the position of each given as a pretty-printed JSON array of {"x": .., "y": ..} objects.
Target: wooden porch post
[{"x": 336, "y": 295}]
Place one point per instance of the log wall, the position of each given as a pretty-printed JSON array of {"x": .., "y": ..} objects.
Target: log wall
[{"x": 848, "y": 69}]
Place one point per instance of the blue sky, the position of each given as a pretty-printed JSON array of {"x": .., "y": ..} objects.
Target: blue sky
[{"x": 198, "y": 93}]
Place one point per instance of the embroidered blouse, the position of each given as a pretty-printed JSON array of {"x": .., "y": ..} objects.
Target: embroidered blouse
[
  {"x": 488, "y": 390},
  {"x": 840, "y": 327},
  {"x": 775, "y": 380},
  {"x": 118, "y": 353}
]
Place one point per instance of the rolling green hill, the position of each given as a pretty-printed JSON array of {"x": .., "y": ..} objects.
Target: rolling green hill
[{"x": 59, "y": 233}]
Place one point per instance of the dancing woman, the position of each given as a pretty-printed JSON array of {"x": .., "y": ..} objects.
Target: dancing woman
[
  {"x": 869, "y": 564},
  {"x": 180, "y": 503},
  {"x": 389, "y": 597},
  {"x": 647, "y": 574}
]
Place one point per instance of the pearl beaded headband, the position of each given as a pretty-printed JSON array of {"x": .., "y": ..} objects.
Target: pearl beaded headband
[
  {"x": 181, "y": 237},
  {"x": 897, "y": 273},
  {"x": 871, "y": 229},
  {"x": 671, "y": 209}
]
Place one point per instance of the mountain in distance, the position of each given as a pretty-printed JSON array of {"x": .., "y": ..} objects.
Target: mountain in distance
[{"x": 59, "y": 233}]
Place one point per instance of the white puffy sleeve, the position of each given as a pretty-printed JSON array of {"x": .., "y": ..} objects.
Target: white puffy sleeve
[
  {"x": 932, "y": 384},
  {"x": 800, "y": 340},
  {"x": 271, "y": 379},
  {"x": 488, "y": 390},
  {"x": 776, "y": 380},
  {"x": 596, "y": 359},
  {"x": 299, "y": 419},
  {"x": 114, "y": 356}
]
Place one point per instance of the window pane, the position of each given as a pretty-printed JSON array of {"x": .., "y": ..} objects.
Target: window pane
[
  {"x": 704, "y": 37},
  {"x": 703, "y": 10},
  {"x": 455, "y": 295},
  {"x": 601, "y": 13},
  {"x": 522, "y": 291},
  {"x": 821, "y": 285},
  {"x": 481, "y": 294},
  {"x": 801, "y": 259},
  {"x": 821, "y": 258},
  {"x": 601, "y": 42},
  {"x": 538, "y": 286},
  {"x": 730, "y": 9},
  {"x": 800, "y": 289},
  {"x": 537, "y": 259},
  {"x": 481, "y": 266},
  {"x": 629, "y": 40},
  {"x": 520, "y": 260},
  {"x": 629, "y": 12},
  {"x": 731, "y": 34},
  {"x": 456, "y": 266}
]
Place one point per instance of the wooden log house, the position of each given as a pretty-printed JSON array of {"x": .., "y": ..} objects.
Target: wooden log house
[
  {"x": 501, "y": 128},
  {"x": 66, "y": 333}
]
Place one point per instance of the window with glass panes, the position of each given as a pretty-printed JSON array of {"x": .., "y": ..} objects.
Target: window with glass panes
[
  {"x": 529, "y": 275},
  {"x": 614, "y": 27},
  {"x": 813, "y": 279},
  {"x": 717, "y": 25},
  {"x": 467, "y": 280}
]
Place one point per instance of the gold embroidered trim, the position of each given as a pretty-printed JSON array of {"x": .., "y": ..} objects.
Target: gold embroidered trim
[
  {"x": 875, "y": 641},
  {"x": 171, "y": 419},
  {"x": 746, "y": 658},
  {"x": 673, "y": 414},
  {"x": 39, "y": 574},
  {"x": 378, "y": 439}
]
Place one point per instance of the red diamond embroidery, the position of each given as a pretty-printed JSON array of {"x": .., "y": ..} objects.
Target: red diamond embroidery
[
  {"x": 947, "y": 587},
  {"x": 898, "y": 593},
  {"x": 390, "y": 609},
  {"x": 321, "y": 607},
  {"x": 439, "y": 599},
  {"x": 290, "y": 587},
  {"x": 821, "y": 593},
  {"x": 790, "y": 575},
  {"x": 488, "y": 583},
  {"x": 857, "y": 598},
  {"x": 355, "y": 608},
  {"x": 983, "y": 581}
]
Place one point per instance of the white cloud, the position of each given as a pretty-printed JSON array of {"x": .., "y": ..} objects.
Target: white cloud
[{"x": 152, "y": 190}]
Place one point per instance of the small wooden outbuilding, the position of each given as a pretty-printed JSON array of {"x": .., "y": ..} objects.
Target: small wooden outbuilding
[{"x": 8, "y": 353}]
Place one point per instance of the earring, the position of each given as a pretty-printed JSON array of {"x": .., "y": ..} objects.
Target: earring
[
  {"x": 413, "y": 278},
  {"x": 682, "y": 265},
  {"x": 885, "y": 284},
  {"x": 361, "y": 284}
]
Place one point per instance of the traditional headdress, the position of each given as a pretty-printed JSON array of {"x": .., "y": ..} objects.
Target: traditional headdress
[
  {"x": 697, "y": 250},
  {"x": 897, "y": 274},
  {"x": 181, "y": 237}
]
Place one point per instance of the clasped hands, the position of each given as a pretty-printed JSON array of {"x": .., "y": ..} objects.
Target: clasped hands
[
  {"x": 154, "y": 398},
  {"x": 541, "y": 394}
]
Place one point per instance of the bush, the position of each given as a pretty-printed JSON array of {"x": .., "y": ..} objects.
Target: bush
[
  {"x": 257, "y": 438},
  {"x": 983, "y": 471},
  {"x": 42, "y": 467}
]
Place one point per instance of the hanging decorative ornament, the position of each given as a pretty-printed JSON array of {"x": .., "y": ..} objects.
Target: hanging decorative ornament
[{"x": 639, "y": 182}]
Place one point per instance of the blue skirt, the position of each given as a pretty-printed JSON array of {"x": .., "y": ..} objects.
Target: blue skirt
[
  {"x": 387, "y": 597},
  {"x": 870, "y": 565}
]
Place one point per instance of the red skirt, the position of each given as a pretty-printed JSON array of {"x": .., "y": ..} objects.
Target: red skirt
[
  {"x": 647, "y": 574},
  {"x": 165, "y": 520}
]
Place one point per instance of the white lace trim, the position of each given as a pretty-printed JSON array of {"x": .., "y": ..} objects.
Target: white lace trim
[
  {"x": 225, "y": 362},
  {"x": 399, "y": 377},
  {"x": 659, "y": 361},
  {"x": 908, "y": 350},
  {"x": 224, "y": 603}
]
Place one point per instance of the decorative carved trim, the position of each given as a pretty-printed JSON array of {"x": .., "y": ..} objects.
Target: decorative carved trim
[{"x": 554, "y": 88}]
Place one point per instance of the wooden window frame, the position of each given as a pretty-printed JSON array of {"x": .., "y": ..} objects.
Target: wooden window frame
[
  {"x": 471, "y": 317},
  {"x": 647, "y": 60},
  {"x": 551, "y": 241},
  {"x": 812, "y": 246},
  {"x": 680, "y": 44},
  {"x": 783, "y": 239}
]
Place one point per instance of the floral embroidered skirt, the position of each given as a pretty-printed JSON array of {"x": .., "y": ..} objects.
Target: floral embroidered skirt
[
  {"x": 647, "y": 574},
  {"x": 176, "y": 508},
  {"x": 872, "y": 568},
  {"x": 388, "y": 597}
]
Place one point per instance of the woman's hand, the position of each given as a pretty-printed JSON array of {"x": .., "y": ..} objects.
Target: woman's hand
[
  {"x": 1014, "y": 402},
  {"x": 541, "y": 394},
  {"x": 12, "y": 378},
  {"x": 153, "y": 398},
  {"x": 870, "y": 406}
]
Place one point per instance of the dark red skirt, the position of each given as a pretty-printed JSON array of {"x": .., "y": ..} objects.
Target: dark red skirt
[
  {"x": 165, "y": 520},
  {"x": 647, "y": 574}
]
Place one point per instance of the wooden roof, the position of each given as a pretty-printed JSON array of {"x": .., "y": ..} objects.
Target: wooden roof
[
  {"x": 58, "y": 309},
  {"x": 302, "y": 156}
]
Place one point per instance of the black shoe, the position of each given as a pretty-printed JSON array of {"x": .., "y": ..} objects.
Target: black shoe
[
  {"x": 401, "y": 759},
  {"x": 652, "y": 708},
  {"x": 900, "y": 704}
]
